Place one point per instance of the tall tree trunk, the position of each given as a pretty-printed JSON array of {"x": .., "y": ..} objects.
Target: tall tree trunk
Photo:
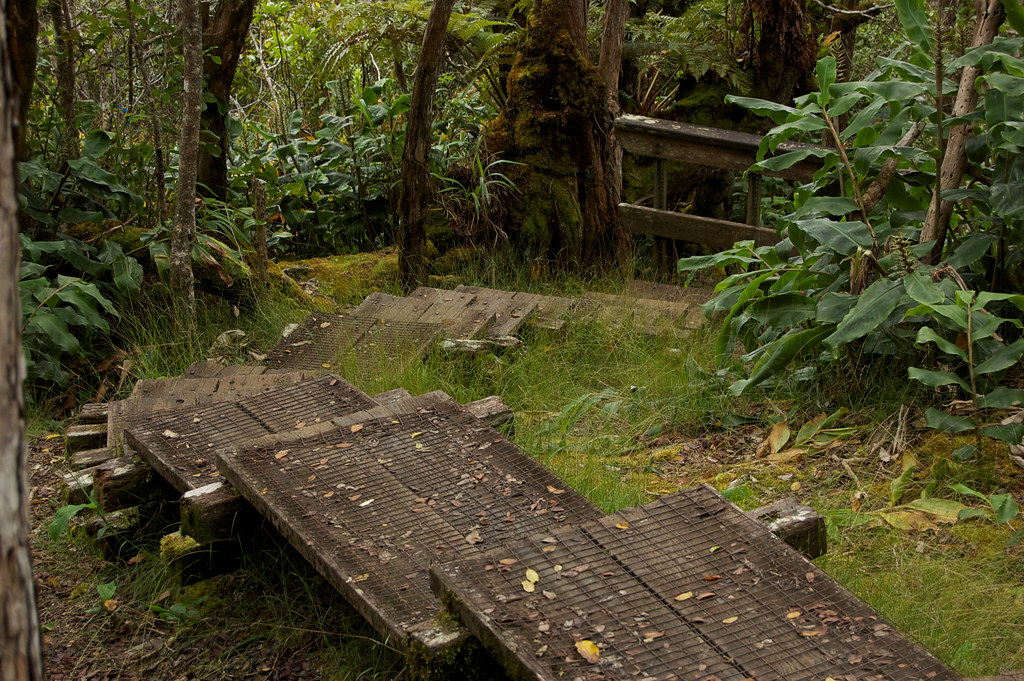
[
  {"x": 784, "y": 49},
  {"x": 416, "y": 187},
  {"x": 609, "y": 66},
  {"x": 20, "y": 643},
  {"x": 183, "y": 236},
  {"x": 954, "y": 160},
  {"x": 555, "y": 123},
  {"x": 60, "y": 16},
  {"x": 23, "y": 30},
  {"x": 224, "y": 38},
  {"x": 155, "y": 120}
]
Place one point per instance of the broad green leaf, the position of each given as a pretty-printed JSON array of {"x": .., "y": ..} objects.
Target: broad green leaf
[
  {"x": 106, "y": 591},
  {"x": 1005, "y": 357},
  {"x": 926, "y": 335},
  {"x": 1002, "y": 398},
  {"x": 827, "y": 205},
  {"x": 986, "y": 297},
  {"x": 1010, "y": 433},
  {"x": 777, "y": 112},
  {"x": 725, "y": 336},
  {"x": 967, "y": 491},
  {"x": 834, "y": 306},
  {"x": 784, "y": 310},
  {"x": 934, "y": 379},
  {"x": 294, "y": 123},
  {"x": 1005, "y": 507},
  {"x": 946, "y": 422},
  {"x": 790, "y": 159},
  {"x": 96, "y": 143},
  {"x": 971, "y": 250},
  {"x": 914, "y": 18},
  {"x": 85, "y": 306},
  {"x": 62, "y": 517},
  {"x": 779, "y": 353},
  {"x": 899, "y": 485},
  {"x": 920, "y": 287},
  {"x": 53, "y": 327},
  {"x": 876, "y": 303},
  {"x": 965, "y": 452},
  {"x": 842, "y": 237},
  {"x": 826, "y": 73}
]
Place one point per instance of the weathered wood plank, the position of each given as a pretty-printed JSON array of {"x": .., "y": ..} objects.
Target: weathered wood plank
[
  {"x": 84, "y": 436},
  {"x": 93, "y": 412},
  {"x": 801, "y": 527},
  {"x": 685, "y": 587},
  {"x": 692, "y": 228},
  {"x": 714, "y": 147},
  {"x": 492, "y": 411},
  {"x": 90, "y": 457}
]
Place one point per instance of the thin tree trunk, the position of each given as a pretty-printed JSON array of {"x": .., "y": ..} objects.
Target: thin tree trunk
[
  {"x": 20, "y": 642},
  {"x": 259, "y": 200},
  {"x": 954, "y": 161},
  {"x": 224, "y": 38},
  {"x": 609, "y": 66},
  {"x": 155, "y": 121},
  {"x": 61, "y": 20},
  {"x": 416, "y": 186},
  {"x": 23, "y": 24},
  {"x": 183, "y": 235}
]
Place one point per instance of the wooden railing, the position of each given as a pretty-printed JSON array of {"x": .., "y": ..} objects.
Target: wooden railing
[{"x": 670, "y": 141}]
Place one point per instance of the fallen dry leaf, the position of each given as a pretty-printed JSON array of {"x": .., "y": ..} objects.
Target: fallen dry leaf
[
  {"x": 684, "y": 596},
  {"x": 588, "y": 651},
  {"x": 528, "y": 586},
  {"x": 356, "y": 428},
  {"x": 532, "y": 576},
  {"x": 623, "y": 525}
]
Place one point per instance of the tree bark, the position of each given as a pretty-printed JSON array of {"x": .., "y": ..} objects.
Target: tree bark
[
  {"x": 183, "y": 235},
  {"x": 555, "y": 124},
  {"x": 609, "y": 66},
  {"x": 785, "y": 49},
  {"x": 60, "y": 16},
  {"x": 23, "y": 30},
  {"x": 155, "y": 120},
  {"x": 223, "y": 41},
  {"x": 20, "y": 640},
  {"x": 416, "y": 188},
  {"x": 954, "y": 161},
  {"x": 259, "y": 200}
]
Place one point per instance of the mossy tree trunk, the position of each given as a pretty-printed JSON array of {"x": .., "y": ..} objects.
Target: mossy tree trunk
[
  {"x": 783, "y": 47},
  {"x": 224, "y": 36},
  {"x": 556, "y": 124},
  {"x": 23, "y": 31},
  {"x": 416, "y": 188}
]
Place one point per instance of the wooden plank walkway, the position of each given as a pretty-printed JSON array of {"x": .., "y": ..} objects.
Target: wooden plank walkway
[
  {"x": 373, "y": 498},
  {"x": 180, "y": 443},
  {"x": 685, "y": 587}
]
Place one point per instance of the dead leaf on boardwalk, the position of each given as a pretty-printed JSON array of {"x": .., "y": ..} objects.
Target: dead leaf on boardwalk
[
  {"x": 588, "y": 651},
  {"x": 623, "y": 525},
  {"x": 360, "y": 578},
  {"x": 474, "y": 537},
  {"x": 170, "y": 434},
  {"x": 280, "y": 455},
  {"x": 532, "y": 576},
  {"x": 528, "y": 586},
  {"x": 550, "y": 595},
  {"x": 324, "y": 325},
  {"x": 508, "y": 561},
  {"x": 684, "y": 596},
  {"x": 555, "y": 490},
  {"x": 356, "y": 428},
  {"x": 729, "y": 620}
]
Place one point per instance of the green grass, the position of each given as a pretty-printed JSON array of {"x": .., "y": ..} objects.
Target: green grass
[{"x": 594, "y": 404}]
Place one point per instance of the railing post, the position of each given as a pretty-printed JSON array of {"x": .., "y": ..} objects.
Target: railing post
[
  {"x": 754, "y": 184},
  {"x": 661, "y": 264}
]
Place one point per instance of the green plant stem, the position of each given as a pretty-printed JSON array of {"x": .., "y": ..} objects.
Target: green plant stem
[{"x": 853, "y": 177}]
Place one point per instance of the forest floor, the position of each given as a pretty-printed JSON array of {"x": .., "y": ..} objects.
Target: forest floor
[{"x": 857, "y": 452}]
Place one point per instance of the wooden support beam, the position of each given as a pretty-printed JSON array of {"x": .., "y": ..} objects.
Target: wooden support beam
[
  {"x": 692, "y": 228},
  {"x": 216, "y": 512},
  {"x": 127, "y": 481},
  {"x": 799, "y": 526},
  {"x": 88, "y": 458},
  {"x": 84, "y": 436},
  {"x": 492, "y": 411},
  {"x": 93, "y": 412}
]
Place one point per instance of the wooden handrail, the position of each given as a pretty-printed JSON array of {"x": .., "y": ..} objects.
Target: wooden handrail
[{"x": 704, "y": 145}]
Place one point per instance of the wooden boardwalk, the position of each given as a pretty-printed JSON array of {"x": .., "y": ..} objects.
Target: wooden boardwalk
[
  {"x": 685, "y": 587},
  {"x": 386, "y": 329},
  {"x": 374, "y": 498}
]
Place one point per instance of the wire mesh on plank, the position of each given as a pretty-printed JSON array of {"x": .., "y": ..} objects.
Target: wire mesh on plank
[
  {"x": 686, "y": 587},
  {"x": 374, "y": 502},
  {"x": 180, "y": 443}
]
